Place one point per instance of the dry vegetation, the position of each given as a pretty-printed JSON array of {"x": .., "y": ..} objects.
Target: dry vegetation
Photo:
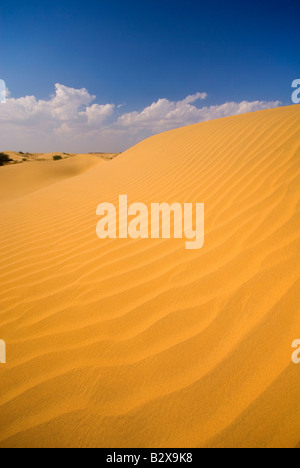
[{"x": 13, "y": 157}]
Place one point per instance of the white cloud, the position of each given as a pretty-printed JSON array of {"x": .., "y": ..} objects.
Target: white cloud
[
  {"x": 63, "y": 106},
  {"x": 70, "y": 120},
  {"x": 164, "y": 115}
]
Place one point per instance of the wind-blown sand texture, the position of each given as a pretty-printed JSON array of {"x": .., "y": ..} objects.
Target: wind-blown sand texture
[{"x": 141, "y": 343}]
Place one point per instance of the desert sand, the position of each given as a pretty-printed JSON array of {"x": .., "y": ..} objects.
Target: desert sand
[
  {"x": 21, "y": 157},
  {"x": 141, "y": 343}
]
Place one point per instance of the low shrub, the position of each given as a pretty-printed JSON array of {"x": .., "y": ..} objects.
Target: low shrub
[{"x": 4, "y": 159}]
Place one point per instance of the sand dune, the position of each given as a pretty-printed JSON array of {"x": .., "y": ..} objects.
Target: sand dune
[
  {"x": 141, "y": 343},
  {"x": 37, "y": 157},
  {"x": 22, "y": 179}
]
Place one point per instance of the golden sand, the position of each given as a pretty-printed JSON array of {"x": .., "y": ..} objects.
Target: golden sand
[{"x": 141, "y": 343}]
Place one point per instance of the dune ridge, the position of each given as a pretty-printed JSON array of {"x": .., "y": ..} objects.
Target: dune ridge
[{"x": 140, "y": 343}]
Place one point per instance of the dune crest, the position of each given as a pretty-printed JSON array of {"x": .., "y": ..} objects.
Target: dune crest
[{"x": 141, "y": 343}]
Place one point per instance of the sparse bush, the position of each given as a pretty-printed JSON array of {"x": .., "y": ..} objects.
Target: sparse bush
[
  {"x": 4, "y": 159},
  {"x": 57, "y": 158},
  {"x": 24, "y": 159},
  {"x": 21, "y": 152}
]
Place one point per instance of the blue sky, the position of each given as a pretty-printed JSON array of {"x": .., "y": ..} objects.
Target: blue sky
[{"x": 132, "y": 53}]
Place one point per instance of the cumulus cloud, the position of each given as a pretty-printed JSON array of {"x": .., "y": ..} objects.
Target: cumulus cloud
[
  {"x": 70, "y": 120},
  {"x": 63, "y": 107},
  {"x": 165, "y": 115}
]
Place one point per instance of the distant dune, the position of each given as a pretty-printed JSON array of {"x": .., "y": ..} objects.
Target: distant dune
[
  {"x": 21, "y": 157},
  {"x": 141, "y": 343}
]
